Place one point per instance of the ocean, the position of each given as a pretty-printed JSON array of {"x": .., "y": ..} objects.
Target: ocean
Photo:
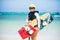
[{"x": 11, "y": 22}]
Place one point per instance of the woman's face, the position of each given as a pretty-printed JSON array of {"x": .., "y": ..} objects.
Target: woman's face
[{"x": 31, "y": 10}]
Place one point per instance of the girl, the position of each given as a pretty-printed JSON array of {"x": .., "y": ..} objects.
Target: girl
[{"x": 31, "y": 16}]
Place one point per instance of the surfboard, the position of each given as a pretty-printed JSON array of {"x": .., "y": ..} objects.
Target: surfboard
[{"x": 45, "y": 17}]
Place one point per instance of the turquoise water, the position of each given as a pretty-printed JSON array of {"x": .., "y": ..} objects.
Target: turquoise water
[{"x": 10, "y": 22}]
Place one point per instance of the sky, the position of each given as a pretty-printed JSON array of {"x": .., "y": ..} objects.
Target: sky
[{"x": 23, "y": 5}]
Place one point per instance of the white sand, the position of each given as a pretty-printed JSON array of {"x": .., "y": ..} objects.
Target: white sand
[{"x": 8, "y": 31}]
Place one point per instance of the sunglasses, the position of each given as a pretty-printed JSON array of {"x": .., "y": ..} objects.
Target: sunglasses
[{"x": 31, "y": 7}]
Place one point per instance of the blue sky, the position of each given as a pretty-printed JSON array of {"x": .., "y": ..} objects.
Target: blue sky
[{"x": 22, "y": 5}]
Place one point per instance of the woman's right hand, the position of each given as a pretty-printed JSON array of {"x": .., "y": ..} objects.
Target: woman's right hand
[{"x": 29, "y": 21}]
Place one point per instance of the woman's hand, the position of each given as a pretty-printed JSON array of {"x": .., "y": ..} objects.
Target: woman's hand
[{"x": 29, "y": 21}]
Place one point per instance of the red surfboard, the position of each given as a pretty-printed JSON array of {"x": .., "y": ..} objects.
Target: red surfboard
[{"x": 24, "y": 34}]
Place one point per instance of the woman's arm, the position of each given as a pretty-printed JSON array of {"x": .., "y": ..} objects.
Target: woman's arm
[{"x": 37, "y": 17}]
